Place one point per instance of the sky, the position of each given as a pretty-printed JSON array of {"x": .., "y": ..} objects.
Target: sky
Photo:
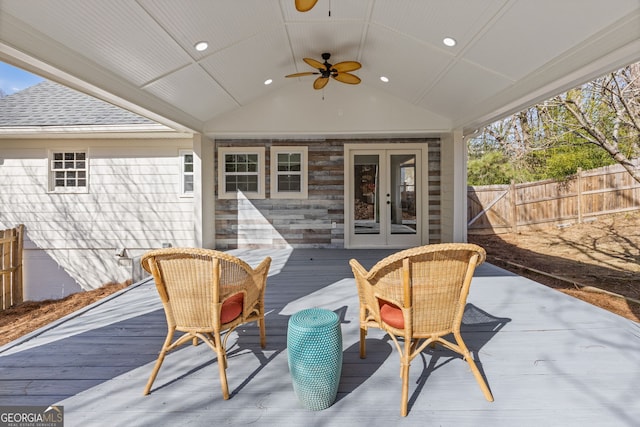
[{"x": 14, "y": 79}]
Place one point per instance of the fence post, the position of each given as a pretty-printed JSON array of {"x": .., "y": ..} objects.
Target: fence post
[
  {"x": 6, "y": 239},
  {"x": 514, "y": 209},
  {"x": 18, "y": 291},
  {"x": 580, "y": 172}
]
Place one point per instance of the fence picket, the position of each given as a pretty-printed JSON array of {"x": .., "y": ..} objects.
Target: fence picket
[{"x": 496, "y": 209}]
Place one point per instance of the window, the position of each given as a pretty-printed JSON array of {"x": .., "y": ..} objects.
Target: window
[
  {"x": 241, "y": 170},
  {"x": 186, "y": 160},
  {"x": 289, "y": 172},
  {"x": 68, "y": 171}
]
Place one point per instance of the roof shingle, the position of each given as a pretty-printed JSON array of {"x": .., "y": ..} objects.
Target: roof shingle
[{"x": 52, "y": 104}]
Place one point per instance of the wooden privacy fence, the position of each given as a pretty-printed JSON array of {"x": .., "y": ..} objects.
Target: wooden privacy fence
[
  {"x": 11, "y": 242},
  {"x": 495, "y": 209}
]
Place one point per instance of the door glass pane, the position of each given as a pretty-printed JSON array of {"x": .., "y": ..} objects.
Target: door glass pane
[
  {"x": 366, "y": 204},
  {"x": 403, "y": 193}
]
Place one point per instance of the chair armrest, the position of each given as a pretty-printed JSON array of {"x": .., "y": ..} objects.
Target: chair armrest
[
  {"x": 358, "y": 268},
  {"x": 262, "y": 271},
  {"x": 263, "y": 267}
]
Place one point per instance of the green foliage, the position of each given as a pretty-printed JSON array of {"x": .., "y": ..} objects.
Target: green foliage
[
  {"x": 493, "y": 167},
  {"x": 555, "y": 162},
  {"x": 563, "y": 161}
]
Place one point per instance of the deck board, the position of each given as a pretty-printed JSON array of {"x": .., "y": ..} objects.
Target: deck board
[{"x": 549, "y": 359}]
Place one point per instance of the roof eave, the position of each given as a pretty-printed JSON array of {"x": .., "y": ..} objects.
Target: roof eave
[{"x": 146, "y": 131}]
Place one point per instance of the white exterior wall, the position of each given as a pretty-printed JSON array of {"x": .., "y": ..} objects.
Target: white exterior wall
[{"x": 133, "y": 202}]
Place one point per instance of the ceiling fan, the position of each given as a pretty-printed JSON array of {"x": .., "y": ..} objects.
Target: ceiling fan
[
  {"x": 339, "y": 71},
  {"x": 305, "y": 5}
]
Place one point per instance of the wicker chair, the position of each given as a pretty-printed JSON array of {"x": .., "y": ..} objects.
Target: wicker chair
[
  {"x": 418, "y": 297},
  {"x": 205, "y": 293}
]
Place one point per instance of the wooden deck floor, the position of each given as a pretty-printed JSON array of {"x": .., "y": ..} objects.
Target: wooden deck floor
[{"x": 549, "y": 360}]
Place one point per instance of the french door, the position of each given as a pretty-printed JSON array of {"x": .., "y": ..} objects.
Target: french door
[{"x": 383, "y": 197}]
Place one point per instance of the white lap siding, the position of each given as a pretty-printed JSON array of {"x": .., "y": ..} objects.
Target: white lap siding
[{"x": 133, "y": 201}]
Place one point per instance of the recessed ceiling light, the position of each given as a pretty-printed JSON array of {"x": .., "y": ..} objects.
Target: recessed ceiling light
[
  {"x": 448, "y": 41},
  {"x": 268, "y": 81},
  {"x": 200, "y": 46},
  {"x": 384, "y": 79}
]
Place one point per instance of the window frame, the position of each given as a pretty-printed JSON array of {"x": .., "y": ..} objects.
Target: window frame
[
  {"x": 222, "y": 174},
  {"x": 51, "y": 172},
  {"x": 303, "y": 150},
  {"x": 184, "y": 174}
]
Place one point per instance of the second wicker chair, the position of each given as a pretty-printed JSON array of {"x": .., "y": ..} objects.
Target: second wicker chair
[{"x": 418, "y": 297}]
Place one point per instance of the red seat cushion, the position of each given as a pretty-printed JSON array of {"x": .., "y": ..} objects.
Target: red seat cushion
[
  {"x": 391, "y": 314},
  {"x": 232, "y": 308}
]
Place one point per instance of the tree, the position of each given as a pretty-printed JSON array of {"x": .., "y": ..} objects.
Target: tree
[
  {"x": 587, "y": 127},
  {"x": 606, "y": 113}
]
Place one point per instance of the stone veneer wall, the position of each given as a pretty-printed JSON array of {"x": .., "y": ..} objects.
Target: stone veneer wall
[{"x": 273, "y": 223}]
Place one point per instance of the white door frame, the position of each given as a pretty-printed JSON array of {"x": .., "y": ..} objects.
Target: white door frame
[{"x": 422, "y": 217}]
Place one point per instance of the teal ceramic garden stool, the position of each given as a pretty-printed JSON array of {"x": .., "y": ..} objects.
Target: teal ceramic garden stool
[{"x": 314, "y": 346}]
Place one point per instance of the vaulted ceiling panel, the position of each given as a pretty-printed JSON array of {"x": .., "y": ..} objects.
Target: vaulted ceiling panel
[
  {"x": 192, "y": 90},
  {"x": 411, "y": 70},
  {"x": 430, "y": 22},
  {"x": 117, "y": 34},
  {"x": 244, "y": 69},
  {"x": 456, "y": 95},
  {"x": 537, "y": 32},
  {"x": 220, "y": 23}
]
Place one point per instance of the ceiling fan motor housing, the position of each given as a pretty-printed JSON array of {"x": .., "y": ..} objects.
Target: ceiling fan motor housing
[{"x": 327, "y": 72}]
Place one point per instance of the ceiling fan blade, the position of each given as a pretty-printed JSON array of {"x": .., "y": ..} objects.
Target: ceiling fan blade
[
  {"x": 346, "y": 66},
  {"x": 315, "y": 64},
  {"x": 306, "y": 73},
  {"x": 346, "y": 78},
  {"x": 320, "y": 82},
  {"x": 305, "y": 5}
]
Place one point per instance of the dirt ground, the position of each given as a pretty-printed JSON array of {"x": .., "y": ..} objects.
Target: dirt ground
[
  {"x": 581, "y": 260},
  {"x": 31, "y": 315}
]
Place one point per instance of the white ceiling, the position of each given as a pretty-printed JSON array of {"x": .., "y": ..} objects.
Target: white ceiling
[{"x": 139, "y": 54}]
